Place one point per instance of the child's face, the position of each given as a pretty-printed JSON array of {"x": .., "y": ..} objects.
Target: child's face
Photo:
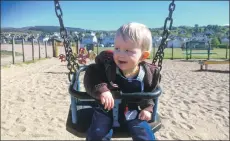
[{"x": 127, "y": 54}]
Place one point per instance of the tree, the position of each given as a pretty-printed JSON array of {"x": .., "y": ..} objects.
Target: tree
[
  {"x": 196, "y": 28},
  {"x": 215, "y": 42},
  {"x": 154, "y": 33},
  {"x": 98, "y": 35}
]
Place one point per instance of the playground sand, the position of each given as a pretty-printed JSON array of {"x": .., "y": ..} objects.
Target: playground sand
[{"x": 194, "y": 105}]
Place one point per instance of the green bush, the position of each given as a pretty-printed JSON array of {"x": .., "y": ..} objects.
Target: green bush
[
  {"x": 215, "y": 41},
  {"x": 222, "y": 46},
  {"x": 214, "y": 46}
]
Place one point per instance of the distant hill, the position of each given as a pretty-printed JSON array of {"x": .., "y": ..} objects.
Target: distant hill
[
  {"x": 40, "y": 29},
  {"x": 183, "y": 31},
  {"x": 12, "y": 29}
]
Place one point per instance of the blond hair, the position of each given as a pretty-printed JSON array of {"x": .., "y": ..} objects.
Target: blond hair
[{"x": 137, "y": 32}]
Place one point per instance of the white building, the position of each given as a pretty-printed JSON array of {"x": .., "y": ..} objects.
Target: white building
[
  {"x": 56, "y": 34},
  {"x": 108, "y": 40},
  {"x": 43, "y": 39},
  {"x": 177, "y": 42},
  {"x": 89, "y": 39},
  {"x": 225, "y": 40},
  {"x": 156, "y": 41},
  {"x": 200, "y": 37}
]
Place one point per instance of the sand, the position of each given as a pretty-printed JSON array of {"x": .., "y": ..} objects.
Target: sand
[{"x": 35, "y": 102}]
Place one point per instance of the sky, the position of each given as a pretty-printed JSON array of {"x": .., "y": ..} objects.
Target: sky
[{"x": 110, "y": 15}]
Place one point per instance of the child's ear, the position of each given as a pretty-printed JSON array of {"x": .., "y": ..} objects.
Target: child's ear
[{"x": 145, "y": 55}]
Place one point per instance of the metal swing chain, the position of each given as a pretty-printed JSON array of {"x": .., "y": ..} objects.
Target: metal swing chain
[
  {"x": 165, "y": 34},
  {"x": 71, "y": 63}
]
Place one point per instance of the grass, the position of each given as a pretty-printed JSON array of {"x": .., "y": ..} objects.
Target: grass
[
  {"x": 178, "y": 53},
  {"x": 5, "y": 53}
]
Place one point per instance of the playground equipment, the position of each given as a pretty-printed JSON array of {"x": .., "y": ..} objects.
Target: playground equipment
[
  {"x": 80, "y": 113},
  {"x": 82, "y": 56},
  {"x": 208, "y": 62},
  {"x": 62, "y": 57},
  {"x": 194, "y": 47}
]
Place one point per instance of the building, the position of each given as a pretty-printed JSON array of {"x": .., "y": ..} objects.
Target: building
[
  {"x": 108, "y": 40},
  {"x": 225, "y": 40},
  {"x": 89, "y": 39}
]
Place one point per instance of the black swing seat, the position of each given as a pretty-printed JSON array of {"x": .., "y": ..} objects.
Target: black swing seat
[{"x": 84, "y": 110}]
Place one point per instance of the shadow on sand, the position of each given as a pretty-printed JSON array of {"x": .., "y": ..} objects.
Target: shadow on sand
[
  {"x": 57, "y": 72},
  {"x": 215, "y": 71}
]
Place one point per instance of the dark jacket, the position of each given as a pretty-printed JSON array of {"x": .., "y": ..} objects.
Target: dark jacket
[{"x": 99, "y": 77}]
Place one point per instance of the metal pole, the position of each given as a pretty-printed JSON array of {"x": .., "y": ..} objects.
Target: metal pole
[
  {"x": 53, "y": 45},
  {"x": 209, "y": 47},
  {"x": 46, "y": 48},
  {"x": 13, "y": 52},
  {"x": 23, "y": 54},
  {"x": 77, "y": 46},
  {"x": 227, "y": 51},
  {"x": 39, "y": 50},
  {"x": 99, "y": 42},
  {"x": 33, "y": 49},
  {"x": 186, "y": 51}
]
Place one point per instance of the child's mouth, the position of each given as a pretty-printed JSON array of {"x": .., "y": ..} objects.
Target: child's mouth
[{"x": 122, "y": 62}]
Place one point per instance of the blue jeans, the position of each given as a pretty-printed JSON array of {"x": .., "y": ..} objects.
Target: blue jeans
[{"x": 101, "y": 128}]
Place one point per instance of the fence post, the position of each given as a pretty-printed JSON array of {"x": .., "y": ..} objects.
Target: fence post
[
  {"x": 154, "y": 49},
  {"x": 186, "y": 52},
  {"x": 33, "y": 49},
  {"x": 46, "y": 48},
  {"x": 76, "y": 43},
  {"x": 23, "y": 54},
  {"x": 39, "y": 50},
  {"x": 13, "y": 52},
  {"x": 53, "y": 48},
  {"x": 209, "y": 47},
  {"x": 227, "y": 51},
  {"x": 172, "y": 51},
  {"x": 98, "y": 44}
]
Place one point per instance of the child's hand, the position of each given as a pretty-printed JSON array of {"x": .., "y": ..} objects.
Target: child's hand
[
  {"x": 107, "y": 100},
  {"x": 145, "y": 115}
]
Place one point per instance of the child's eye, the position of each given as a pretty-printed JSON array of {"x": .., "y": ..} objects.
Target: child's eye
[
  {"x": 116, "y": 48},
  {"x": 126, "y": 50}
]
